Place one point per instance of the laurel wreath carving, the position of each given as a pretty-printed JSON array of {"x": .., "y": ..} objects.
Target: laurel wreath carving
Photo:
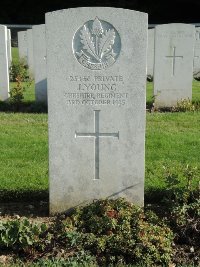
[{"x": 103, "y": 44}]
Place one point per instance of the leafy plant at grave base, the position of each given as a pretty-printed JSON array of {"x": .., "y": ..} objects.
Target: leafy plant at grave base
[
  {"x": 184, "y": 204},
  {"x": 185, "y": 105},
  {"x": 104, "y": 232},
  {"x": 19, "y": 73},
  {"x": 79, "y": 259},
  {"x": 19, "y": 69},
  {"x": 22, "y": 235},
  {"x": 17, "y": 92},
  {"x": 180, "y": 186},
  {"x": 117, "y": 232}
]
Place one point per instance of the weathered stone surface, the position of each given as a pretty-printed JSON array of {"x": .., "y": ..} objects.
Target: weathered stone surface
[
  {"x": 96, "y": 74},
  {"x": 23, "y": 45},
  {"x": 30, "y": 51},
  {"x": 4, "y": 72},
  {"x": 9, "y": 47},
  {"x": 173, "y": 71},
  {"x": 150, "y": 52},
  {"x": 39, "y": 52},
  {"x": 196, "y": 62}
]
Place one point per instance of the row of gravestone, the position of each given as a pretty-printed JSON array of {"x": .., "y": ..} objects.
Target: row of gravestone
[
  {"x": 5, "y": 61},
  {"x": 95, "y": 61},
  {"x": 173, "y": 58},
  {"x": 32, "y": 48},
  {"x": 151, "y": 47}
]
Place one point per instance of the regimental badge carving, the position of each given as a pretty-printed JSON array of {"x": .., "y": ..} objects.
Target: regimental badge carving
[{"x": 96, "y": 45}]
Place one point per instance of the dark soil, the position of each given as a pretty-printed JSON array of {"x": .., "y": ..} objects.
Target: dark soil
[{"x": 27, "y": 209}]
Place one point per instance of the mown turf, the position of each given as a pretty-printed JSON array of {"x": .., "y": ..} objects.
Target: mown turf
[
  {"x": 149, "y": 93},
  {"x": 23, "y": 152},
  {"x": 172, "y": 139},
  {"x": 196, "y": 91}
]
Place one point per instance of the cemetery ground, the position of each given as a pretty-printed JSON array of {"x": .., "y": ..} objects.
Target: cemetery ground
[{"x": 100, "y": 233}]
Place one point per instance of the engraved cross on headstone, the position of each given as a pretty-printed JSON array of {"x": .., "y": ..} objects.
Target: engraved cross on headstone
[
  {"x": 174, "y": 59},
  {"x": 96, "y": 135}
]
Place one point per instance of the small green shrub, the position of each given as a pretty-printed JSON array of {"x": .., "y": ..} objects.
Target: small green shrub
[
  {"x": 21, "y": 235},
  {"x": 183, "y": 201},
  {"x": 17, "y": 92},
  {"x": 117, "y": 232},
  {"x": 185, "y": 105},
  {"x": 19, "y": 69},
  {"x": 181, "y": 187},
  {"x": 79, "y": 259},
  {"x": 185, "y": 221}
]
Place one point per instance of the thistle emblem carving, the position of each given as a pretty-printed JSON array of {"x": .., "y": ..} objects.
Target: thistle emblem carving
[{"x": 96, "y": 44}]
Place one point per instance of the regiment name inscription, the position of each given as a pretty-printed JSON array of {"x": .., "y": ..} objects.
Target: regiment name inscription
[{"x": 97, "y": 90}]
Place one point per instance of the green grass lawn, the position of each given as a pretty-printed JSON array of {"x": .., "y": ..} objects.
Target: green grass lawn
[
  {"x": 172, "y": 139},
  {"x": 149, "y": 93},
  {"x": 196, "y": 91},
  {"x": 23, "y": 152}
]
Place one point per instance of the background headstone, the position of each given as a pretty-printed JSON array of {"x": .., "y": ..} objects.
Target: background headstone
[
  {"x": 23, "y": 45},
  {"x": 197, "y": 52},
  {"x": 173, "y": 70},
  {"x": 30, "y": 51},
  {"x": 96, "y": 74},
  {"x": 9, "y": 48},
  {"x": 150, "y": 52},
  {"x": 39, "y": 52},
  {"x": 4, "y": 72}
]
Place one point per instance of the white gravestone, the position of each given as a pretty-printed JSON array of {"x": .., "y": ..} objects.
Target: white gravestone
[
  {"x": 23, "y": 45},
  {"x": 150, "y": 52},
  {"x": 173, "y": 70},
  {"x": 96, "y": 74},
  {"x": 30, "y": 51},
  {"x": 4, "y": 71},
  {"x": 196, "y": 62},
  {"x": 9, "y": 48},
  {"x": 39, "y": 52}
]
